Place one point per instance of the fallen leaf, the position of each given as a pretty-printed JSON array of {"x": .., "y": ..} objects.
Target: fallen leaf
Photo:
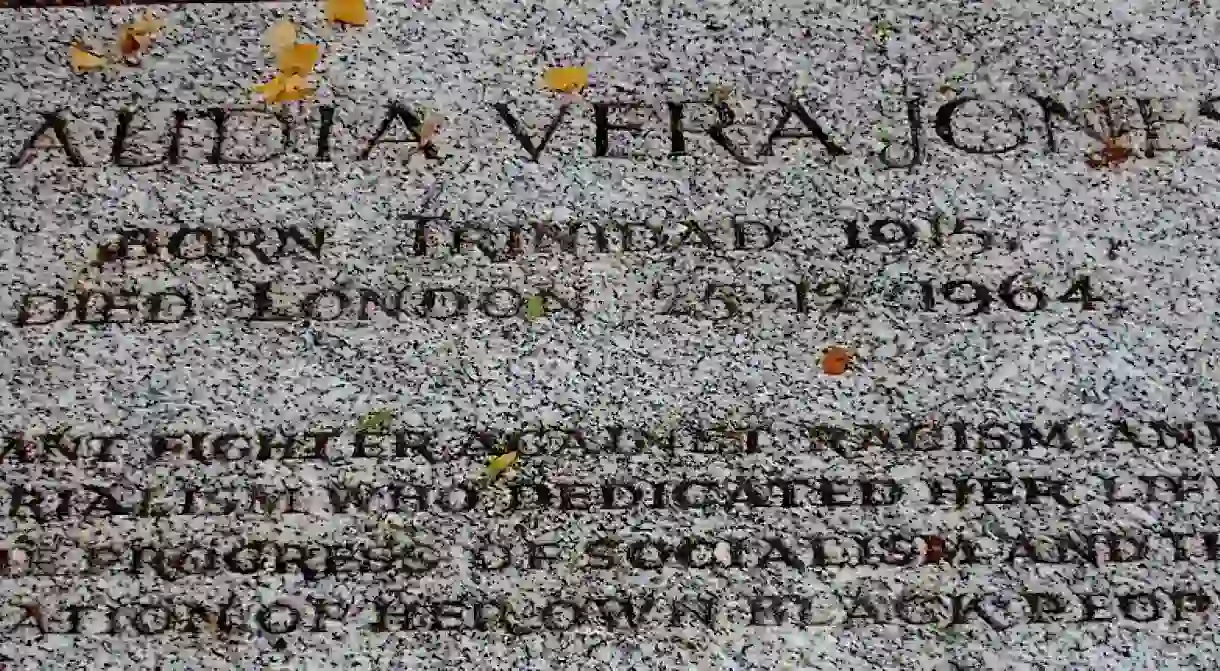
[
  {"x": 281, "y": 35},
  {"x": 107, "y": 253},
  {"x": 566, "y": 80},
  {"x": 350, "y": 12},
  {"x": 298, "y": 59},
  {"x": 1112, "y": 154},
  {"x": 272, "y": 89},
  {"x": 135, "y": 37},
  {"x": 296, "y": 89},
  {"x": 284, "y": 88},
  {"x": 721, "y": 93},
  {"x": 498, "y": 465},
  {"x": 428, "y": 129},
  {"x": 33, "y": 610},
  {"x": 82, "y": 59},
  {"x": 131, "y": 44},
  {"x": 835, "y": 360},
  {"x": 881, "y": 32},
  {"x": 535, "y": 307},
  {"x": 377, "y": 420},
  {"x": 936, "y": 549}
]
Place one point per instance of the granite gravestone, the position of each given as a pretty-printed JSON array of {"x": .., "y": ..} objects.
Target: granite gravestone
[{"x": 257, "y": 358}]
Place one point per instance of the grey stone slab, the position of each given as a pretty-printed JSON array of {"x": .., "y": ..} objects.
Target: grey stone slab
[{"x": 291, "y": 475}]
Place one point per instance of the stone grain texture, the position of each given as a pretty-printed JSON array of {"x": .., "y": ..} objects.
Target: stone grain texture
[{"x": 1142, "y": 229}]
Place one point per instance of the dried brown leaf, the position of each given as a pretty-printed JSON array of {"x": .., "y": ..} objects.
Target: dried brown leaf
[
  {"x": 1111, "y": 155},
  {"x": 428, "y": 129}
]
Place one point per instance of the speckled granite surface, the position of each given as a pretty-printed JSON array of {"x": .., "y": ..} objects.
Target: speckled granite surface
[{"x": 1017, "y": 471}]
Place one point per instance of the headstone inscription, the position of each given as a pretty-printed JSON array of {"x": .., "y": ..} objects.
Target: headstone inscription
[{"x": 631, "y": 335}]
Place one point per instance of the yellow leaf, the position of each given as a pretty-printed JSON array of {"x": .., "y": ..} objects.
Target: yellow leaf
[
  {"x": 298, "y": 59},
  {"x": 566, "y": 80},
  {"x": 295, "y": 88},
  {"x": 81, "y": 60},
  {"x": 284, "y": 88},
  {"x": 498, "y": 465},
  {"x": 351, "y": 12},
  {"x": 281, "y": 35},
  {"x": 271, "y": 88}
]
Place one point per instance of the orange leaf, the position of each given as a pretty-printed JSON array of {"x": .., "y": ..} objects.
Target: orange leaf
[
  {"x": 835, "y": 360},
  {"x": 81, "y": 59},
  {"x": 135, "y": 37},
  {"x": 350, "y": 12},
  {"x": 282, "y": 35},
  {"x": 130, "y": 43},
  {"x": 299, "y": 59},
  {"x": 566, "y": 80}
]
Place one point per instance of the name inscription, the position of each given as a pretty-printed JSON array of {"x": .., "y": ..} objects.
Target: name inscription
[{"x": 749, "y": 133}]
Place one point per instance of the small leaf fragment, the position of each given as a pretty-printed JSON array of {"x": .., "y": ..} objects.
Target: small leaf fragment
[
  {"x": 936, "y": 549},
  {"x": 82, "y": 59},
  {"x": 298, "y": 59},
  {"x": 535, "y": 307},
  {"x": 498, "y": 465},
  {"x": 882, "y": 31},
  {"x": 350, "y": 12},
  {"x": 1112, "y": 154},
  {"x": 428, "y": 129},
  {"x": 835, "y": 360},
  {"x": 378, "y": 420},
  {"x": 569, "y": 79},
  {"x": 281, "y": 35},
  {"x": 721, "y": 93}
]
